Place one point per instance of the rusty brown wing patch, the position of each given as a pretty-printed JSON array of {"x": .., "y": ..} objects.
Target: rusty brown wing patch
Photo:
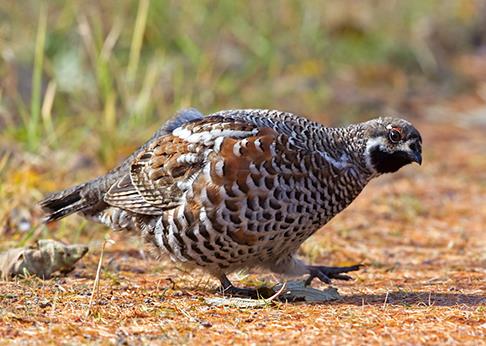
[
  {"x": 161, "y": 174},
  {"x": 239, "y": 154}
]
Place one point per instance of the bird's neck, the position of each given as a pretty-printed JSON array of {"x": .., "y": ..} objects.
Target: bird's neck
[{"x": 345, "y": 146}]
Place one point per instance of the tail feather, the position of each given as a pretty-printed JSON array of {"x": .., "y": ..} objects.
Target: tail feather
[
  {"x": 59, "y": 204},
  {"x": 89, "y": 197}
]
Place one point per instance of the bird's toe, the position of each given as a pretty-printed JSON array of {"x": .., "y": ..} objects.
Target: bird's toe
[{"x": 325, "y": 274}]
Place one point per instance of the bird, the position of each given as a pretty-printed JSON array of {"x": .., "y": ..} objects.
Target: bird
[{"x": 240, "y": 189}]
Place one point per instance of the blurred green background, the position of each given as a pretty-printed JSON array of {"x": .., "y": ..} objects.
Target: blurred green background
[{"x": 100, "y": 76}]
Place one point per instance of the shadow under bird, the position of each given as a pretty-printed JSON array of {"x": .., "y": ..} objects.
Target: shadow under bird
[{"x": 241, "y": 188}]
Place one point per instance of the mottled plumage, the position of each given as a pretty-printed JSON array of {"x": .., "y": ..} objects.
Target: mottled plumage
[{"x": 241, "y": 188}]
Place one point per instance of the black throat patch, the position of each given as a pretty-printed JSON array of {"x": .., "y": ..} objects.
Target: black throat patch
[{"x": 385, "y": 162}]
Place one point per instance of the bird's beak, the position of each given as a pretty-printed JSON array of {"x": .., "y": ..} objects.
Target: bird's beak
[{"x": 416, "y": 156}]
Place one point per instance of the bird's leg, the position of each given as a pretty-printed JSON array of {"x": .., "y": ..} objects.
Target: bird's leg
[
  {"x": 227, "y": 288},
  {"x": 325, "y": 274}
]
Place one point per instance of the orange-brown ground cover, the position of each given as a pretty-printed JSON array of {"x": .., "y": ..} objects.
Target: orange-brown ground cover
[{"x": 421, "y": 233}]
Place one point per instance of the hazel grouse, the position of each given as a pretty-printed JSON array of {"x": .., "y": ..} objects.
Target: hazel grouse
[{"x": 241, "y": 188}]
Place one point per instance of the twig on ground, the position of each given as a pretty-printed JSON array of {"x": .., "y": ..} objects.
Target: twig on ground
[
  {"x": 386, "y": 299},
  {"x": 97, "y": 278}
]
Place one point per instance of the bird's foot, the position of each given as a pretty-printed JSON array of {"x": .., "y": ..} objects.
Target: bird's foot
[
  {"x": 325, "y": 274},
  {"x": 227, "y": 288}
]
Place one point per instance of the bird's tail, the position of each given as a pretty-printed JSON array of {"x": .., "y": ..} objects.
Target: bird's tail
[
  {"x": 60, "y": 204},
  {"x": 89, "y": 196}
]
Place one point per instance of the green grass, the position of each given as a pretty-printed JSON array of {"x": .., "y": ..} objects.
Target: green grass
[
  {"x": 32, "y": 124},
  {"x": 117, "y": 70}
]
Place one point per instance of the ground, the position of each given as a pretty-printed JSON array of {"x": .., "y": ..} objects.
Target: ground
[{"x": 420, "y": 234}]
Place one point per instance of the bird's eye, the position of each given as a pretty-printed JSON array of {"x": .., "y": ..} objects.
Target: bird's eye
[{"x": 395, "y": 135}]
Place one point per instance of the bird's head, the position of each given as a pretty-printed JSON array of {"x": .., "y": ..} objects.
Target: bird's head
[{"x": 391, "y": 144}]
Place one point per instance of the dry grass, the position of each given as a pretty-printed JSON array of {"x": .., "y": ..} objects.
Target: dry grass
[{"x": 421, "y": 233}]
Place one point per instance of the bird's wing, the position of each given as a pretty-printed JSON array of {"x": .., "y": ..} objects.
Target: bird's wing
[{"x": 161, "y": 173}]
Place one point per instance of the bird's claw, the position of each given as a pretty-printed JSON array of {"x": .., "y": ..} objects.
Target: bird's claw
[{"x": 325, "y": 274}]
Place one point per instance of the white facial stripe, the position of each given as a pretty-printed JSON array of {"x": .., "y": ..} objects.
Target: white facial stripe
[
  {"x": 405, "y": 146},
  {"x": 376, "y": 141},
  {"x": 372, "y": 142}
]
